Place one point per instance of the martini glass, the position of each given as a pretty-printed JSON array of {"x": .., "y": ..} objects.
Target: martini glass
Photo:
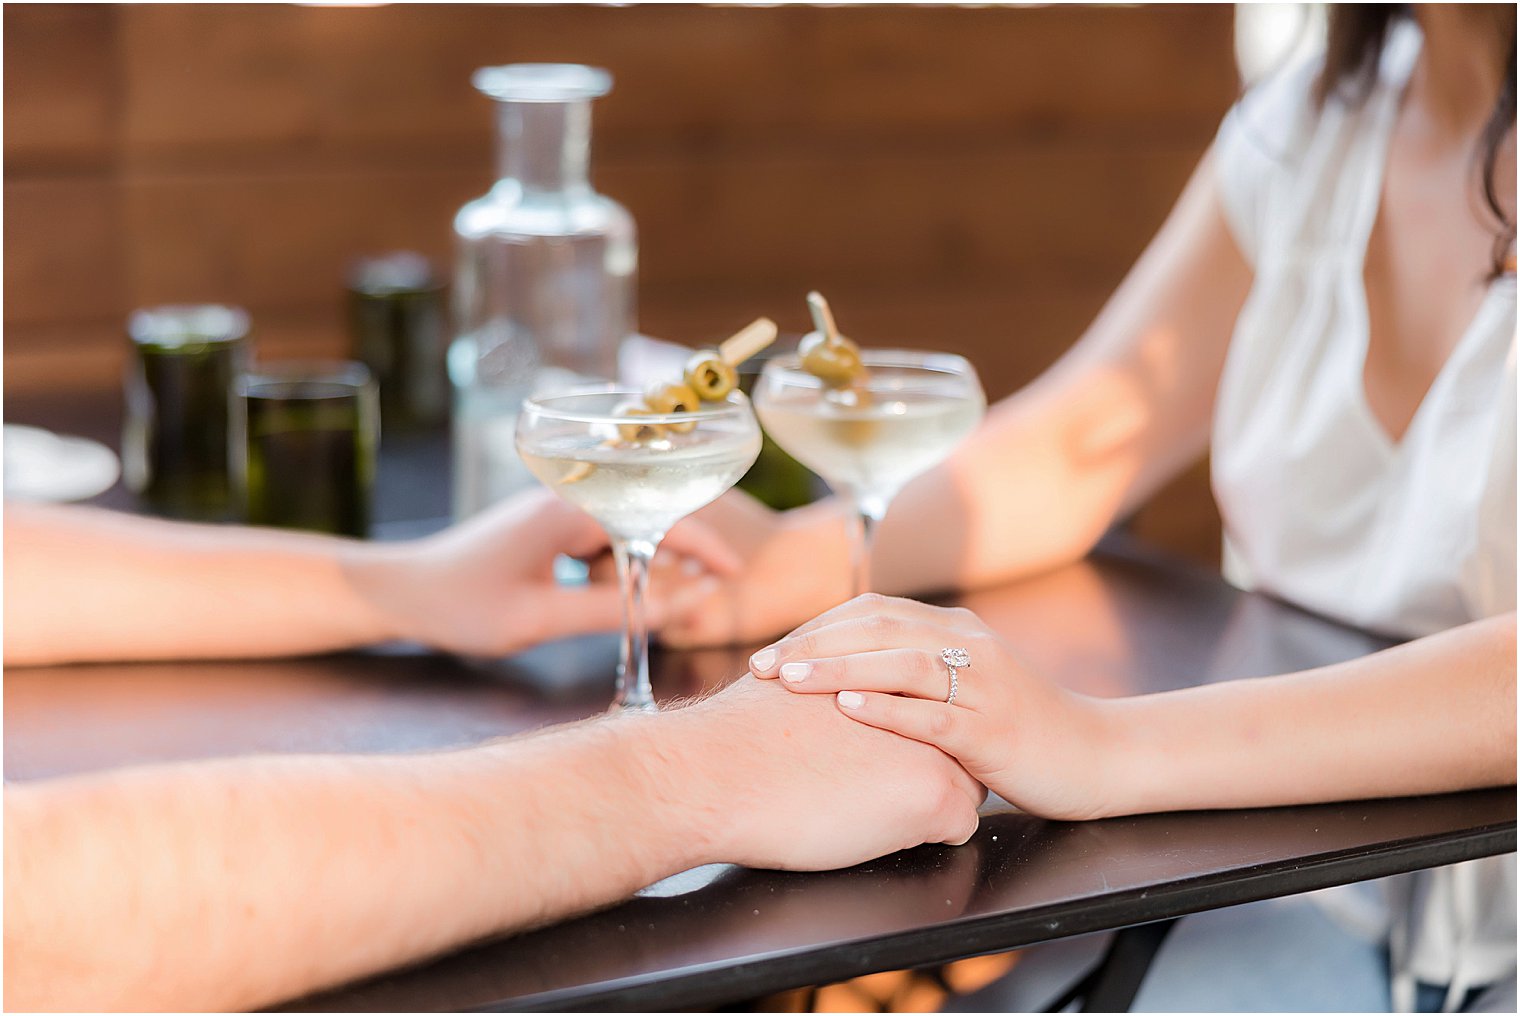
[
  {"x": 916, "y": 407},
  {"x": 578, "y": 445}
]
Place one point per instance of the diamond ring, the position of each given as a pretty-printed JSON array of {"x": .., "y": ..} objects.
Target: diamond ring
[{"x": 954, "y": 660}]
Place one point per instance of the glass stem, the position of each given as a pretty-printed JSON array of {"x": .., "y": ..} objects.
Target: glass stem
[
  {"x": 633, "y": 689},
  {"x": 867, "y": 512}
]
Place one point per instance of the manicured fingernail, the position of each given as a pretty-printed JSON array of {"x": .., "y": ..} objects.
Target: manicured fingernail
[
  {"x": 765, "y": 659},
  {"x": 851, "y": 699},
  {"x": 795, "y": 672}
]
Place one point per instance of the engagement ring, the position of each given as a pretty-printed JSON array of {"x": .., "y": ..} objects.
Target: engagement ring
[{"x": 954, "y": 659}]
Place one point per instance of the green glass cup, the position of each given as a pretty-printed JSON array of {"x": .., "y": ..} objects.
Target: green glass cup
[
  {"x": 311, "y": 430},
  {"x": 398, "y": 329},
  {"x": 178, "y": 390}
]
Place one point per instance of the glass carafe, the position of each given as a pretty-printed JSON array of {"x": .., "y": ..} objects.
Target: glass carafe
[{"x": 544, "y": 276}]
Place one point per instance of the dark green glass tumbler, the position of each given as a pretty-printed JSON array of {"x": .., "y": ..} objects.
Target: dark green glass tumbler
[
  {"x": 178, "y": 388},
  {"x": 398, "y": 329},
  {"x": 312, "y": 429}
]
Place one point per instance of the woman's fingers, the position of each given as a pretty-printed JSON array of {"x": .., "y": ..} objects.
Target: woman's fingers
[
  {"x": 947, "y": 727},
  {"x": 689, "y": 548},
  {"x": 675, "y": 599},
  {"x": 858, "y": 635},
  {"x": 693, "y": 539},
  {"x": 916, "y": 672}
]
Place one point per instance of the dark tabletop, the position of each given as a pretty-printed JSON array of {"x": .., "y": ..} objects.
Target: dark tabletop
[{"x": 1126, "y": 621}]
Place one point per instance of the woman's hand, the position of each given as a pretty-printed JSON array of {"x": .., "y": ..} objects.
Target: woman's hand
[
  {"x": 486, "y": 586},
  {"x": 1036, "y": 745},
  {"x": 796, "y": 563}
]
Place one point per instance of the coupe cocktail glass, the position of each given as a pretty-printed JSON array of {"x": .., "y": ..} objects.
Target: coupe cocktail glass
[
  {"x": 577, "y": 443},
  {"x": 903, "y": 419}
]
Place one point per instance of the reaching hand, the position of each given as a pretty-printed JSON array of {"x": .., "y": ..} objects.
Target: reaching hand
[
  {"x": 1038, "y": 746},
  {"x": 796, "y": 564},
  {"x": 486, "y": 586}
]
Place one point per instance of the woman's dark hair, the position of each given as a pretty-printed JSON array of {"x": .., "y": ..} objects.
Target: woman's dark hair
[{"x": 1352, "y": 47}]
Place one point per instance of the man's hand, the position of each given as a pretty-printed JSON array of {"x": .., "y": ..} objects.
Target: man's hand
[
  {"x": 786, "y": 781},
  {"x": 486, "y": 586}
]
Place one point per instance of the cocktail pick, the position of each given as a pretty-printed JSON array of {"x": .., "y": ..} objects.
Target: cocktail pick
[
  {"x": 823, "y": 317},
  {"x": 829, "y": 356},
  {"x": 748, "y": 341}
]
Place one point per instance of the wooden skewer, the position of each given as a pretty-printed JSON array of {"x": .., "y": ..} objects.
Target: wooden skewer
[
  {"x": 823, "y": 318},
  {"x": 747, "y": 341}
]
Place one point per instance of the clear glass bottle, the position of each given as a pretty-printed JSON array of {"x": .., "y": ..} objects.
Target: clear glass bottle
[{"x": 544, "y": 277}]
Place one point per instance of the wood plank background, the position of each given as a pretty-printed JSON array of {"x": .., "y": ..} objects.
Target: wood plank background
[{"x": 975, "y": 179}]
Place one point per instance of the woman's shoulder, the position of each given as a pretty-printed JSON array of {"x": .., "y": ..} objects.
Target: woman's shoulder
[
  {"x": 1261, "y": 145},
  {"x": 1274, "y": 120}
]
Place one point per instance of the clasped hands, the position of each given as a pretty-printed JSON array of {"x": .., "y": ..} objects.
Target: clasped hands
[{"x": 1036, "y": 745}]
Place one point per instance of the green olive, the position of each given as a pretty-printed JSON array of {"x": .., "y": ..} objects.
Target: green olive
[
  {"x": 635, "y": 433},
  {"x": 836, "y": 363},
  {"x": 852, "y": 424},
  {"x": 673, "y": 397},
  {"x": 710, "y": 376}
]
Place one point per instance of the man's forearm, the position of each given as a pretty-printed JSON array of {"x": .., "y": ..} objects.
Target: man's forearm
[
  {"x": 237, "y": 883},
  {"x": 85, "y": 585},
  {"x": 1430, "y": 716}
]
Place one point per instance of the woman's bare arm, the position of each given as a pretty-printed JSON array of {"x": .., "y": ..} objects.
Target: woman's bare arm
[
  {"x": 1124, "y": 411},
  {"x": 1433, "y": 715},
  {"x": 1051, "y": 469}
]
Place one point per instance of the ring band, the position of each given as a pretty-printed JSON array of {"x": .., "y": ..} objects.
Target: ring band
[{"x": 954, "y": 659}]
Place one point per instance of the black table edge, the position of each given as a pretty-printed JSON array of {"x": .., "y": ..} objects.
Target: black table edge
[{"x": 693, "y": 989}]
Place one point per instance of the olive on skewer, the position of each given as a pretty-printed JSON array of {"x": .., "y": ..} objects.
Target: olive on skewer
[
  {"x": 635, "y": 431},
  {"x": 673, "y": 397},
  {"x": 711, "y": 376},
  {"x": 837, "y": 363},
  {"x": 832, "y": 358}
]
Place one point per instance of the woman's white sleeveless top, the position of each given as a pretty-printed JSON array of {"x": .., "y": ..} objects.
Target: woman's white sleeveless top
[{"x": 1321, "y": 507}]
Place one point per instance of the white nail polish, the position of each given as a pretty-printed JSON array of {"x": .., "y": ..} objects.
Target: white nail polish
[
  {"x": 765, "y": 659},
  {"x": 851, "y": 699},
  {"x": 795, "y": 672}
]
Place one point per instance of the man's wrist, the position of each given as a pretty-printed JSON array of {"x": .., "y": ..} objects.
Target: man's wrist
[
  {"x": 684, "y": 772},
  {"x": 629, "y": 782}
]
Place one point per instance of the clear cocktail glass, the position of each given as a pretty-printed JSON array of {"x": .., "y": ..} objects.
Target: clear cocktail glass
[
  {"x": 637, "y": 476},
  {"x": 904, "y": 418}
]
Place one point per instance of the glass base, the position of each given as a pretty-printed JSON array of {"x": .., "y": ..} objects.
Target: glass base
[
  {"x": 647, "y": 706},
  {"x": 683, "y": 882}
]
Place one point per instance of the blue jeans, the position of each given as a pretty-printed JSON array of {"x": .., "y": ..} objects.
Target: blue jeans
[{"x": 1282, "y": 955}]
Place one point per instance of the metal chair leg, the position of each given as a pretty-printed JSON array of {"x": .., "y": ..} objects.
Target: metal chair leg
[{"x": 1113, "y": 985}]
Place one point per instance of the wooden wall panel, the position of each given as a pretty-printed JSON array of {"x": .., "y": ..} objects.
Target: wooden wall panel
[
  {"x": 61, "y": 100},
  {"x": 280, "y": 241},
  {"x": 63, "y": 249},
  {"x": 972, "y": 178},
  {"x": 334, "y": 79}
]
